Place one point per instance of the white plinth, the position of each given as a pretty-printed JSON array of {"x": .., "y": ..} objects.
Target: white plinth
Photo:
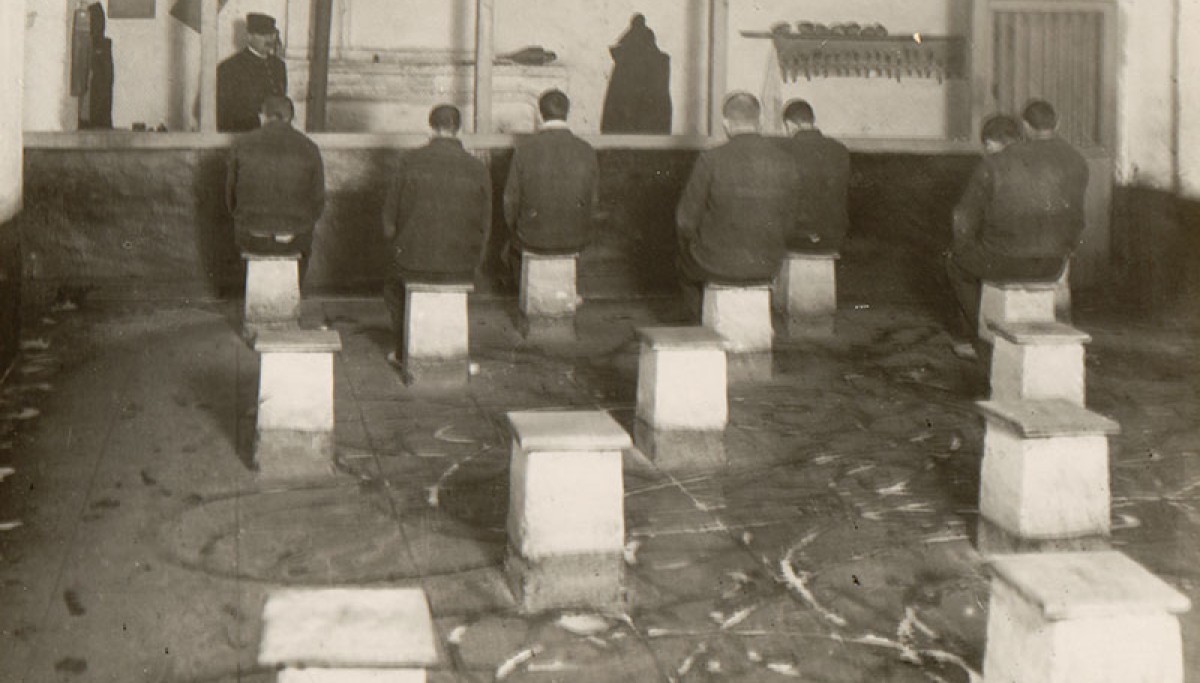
[
  {"x": 1045, "y": 469},
  {"x": 294, "y": 435},
  {"x": 742, "y": 315},
  {"x": 682, "y": 379},
  {"x": 355, "y": 635},
  {"x": 436, "y": 336},
  {"x": 1038, "y": 361},
  {"x": 548, "y": 287},
  {"x": 566, "y": 515},
  {"x": 272, "y": 292},
  {"x": 1069, "y": 617},
  {"x": 1018, "y": 302},
  {"x": 806, "y": 287}
]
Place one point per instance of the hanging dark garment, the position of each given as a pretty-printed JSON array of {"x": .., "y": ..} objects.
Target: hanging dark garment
[
  {"x": 639, "y": 91},
  {"x": 95, "y": 107}
]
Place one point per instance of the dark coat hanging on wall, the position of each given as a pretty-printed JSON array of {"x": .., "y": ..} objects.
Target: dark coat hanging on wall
[
  {"x": 639, "y": 91},
  {"x": 100, "y": 86}
]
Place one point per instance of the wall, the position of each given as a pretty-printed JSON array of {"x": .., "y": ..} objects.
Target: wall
[
  {"x": 12, "y": 31},
  {"x": 855, "y": 107},
  {"x": 48, "y": 105}
]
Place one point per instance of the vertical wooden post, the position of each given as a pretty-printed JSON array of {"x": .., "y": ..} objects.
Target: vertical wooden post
[
  {"x": 208, "y": 65},
  {"x": 485, "y": 48},
  {"x": 982, "y": 47},
  {"x": 718, "y": 44},
  {"x": 12, "y": 61},
  {"x": 318, "y": 70}
]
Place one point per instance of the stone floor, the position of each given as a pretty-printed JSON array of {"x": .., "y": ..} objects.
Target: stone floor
[{"x": 834, "y": 545}]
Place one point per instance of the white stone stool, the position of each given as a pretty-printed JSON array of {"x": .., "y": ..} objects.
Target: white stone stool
[
  {"x": 436, "y": 334},
  {"x": 741, "y": 314},
  {"x": 566, "y": 512},
  {"x": 294, "y": 437},
  {"x": 1070, "y": 617},
  {"x": 1045, "y": 470},
  {"x": 1023, "y": 302},
  {"x": 272, "y": 293},
  {"x": 806, "y": 291},
  {"x": 1038, "y": 361},
  {"x": 348, "y": 635},
  {"x": 548, "y": 297}
]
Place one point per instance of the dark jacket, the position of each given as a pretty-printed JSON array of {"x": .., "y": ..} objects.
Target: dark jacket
[
  {"x": 243, "y": 82},
  {"x": 738, "y": 204},
  {"x": 824, "y": 166},
  {"x": 275, "y": 182},
  {"x": 550, "y": 192},
  {"x": 438, "y": 212},
  {"x": 1022, "y": 213}
]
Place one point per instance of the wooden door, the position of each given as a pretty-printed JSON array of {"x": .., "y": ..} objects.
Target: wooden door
[{"x": 1062, "y": 51}]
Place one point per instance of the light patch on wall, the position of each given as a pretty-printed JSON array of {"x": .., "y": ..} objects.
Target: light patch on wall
[{"x": 131, "y": 9}]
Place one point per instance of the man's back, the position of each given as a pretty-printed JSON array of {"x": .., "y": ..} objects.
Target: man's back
[
  {"x": 1035, "y": 207},
  {"x": 738, "y": 205},
  {"x": 550, "y": 191},
  {"x": 440, "y": 205},
  {"x": 824, "y": 166},
  {"x": 277, "y": 181}
]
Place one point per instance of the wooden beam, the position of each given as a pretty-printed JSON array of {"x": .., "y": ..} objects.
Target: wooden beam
[
  {"x": 718, "y": 56},
  {"x": 485, "y": 31},
  {"x": 983, "y": 100},
  {"x": 208, "y": 65},
  {"x": 318, "y": 69},
  {"x": 12, "y": 59}
]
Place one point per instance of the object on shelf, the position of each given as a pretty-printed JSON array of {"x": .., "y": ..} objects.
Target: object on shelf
[{"x": 863, "y": 51}]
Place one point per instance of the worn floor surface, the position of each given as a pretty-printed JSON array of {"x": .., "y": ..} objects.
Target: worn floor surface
[{"x": 834, "y": 544}]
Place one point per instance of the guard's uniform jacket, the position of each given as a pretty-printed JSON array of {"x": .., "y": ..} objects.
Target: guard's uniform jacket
[{"x": 243, "y": 82}]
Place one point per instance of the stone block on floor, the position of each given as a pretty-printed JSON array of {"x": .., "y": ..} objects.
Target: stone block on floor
[
  {"x": 741, "y": 314},
  {"x": 1091, "y": 616},
  {"x": 805, "y": 292},
  {"x": 682, "y": 382},
  {"x": 348, "y": 635},
  {"x": 1001, "y": 302},
  {"x": 294, "y": 432},
  {"x": 1038, "y": 361},
  {"x": 566, "y": 524},
  {"x": 1045, "y": 470},
  {"x": 436, "y": 334},
  {"x": 272, "y": 293},
  {"x": 548, "y": 285}
]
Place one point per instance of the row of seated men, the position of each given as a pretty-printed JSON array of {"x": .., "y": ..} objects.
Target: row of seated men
[{"x": 747, "y": 203}]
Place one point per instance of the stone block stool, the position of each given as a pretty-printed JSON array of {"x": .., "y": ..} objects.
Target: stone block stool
[
  {"x": 1038, "y": 361},
  {"x": 682, "y": 395},
  {"x": 566, "y": 510},
  {"x": 548, "y": 297},
  {"x": 806, "y": 292},
  {"x": 741, "y": 314},
  {"x": 1044, "y": 476},
  {"x": 272, "y": 293},
  {"x": 348, "y": 635},
  {"x": 294, "y": 438},
  {"x": 1069, "y": 617},
  {"x": 1014, "y": 302},
  {"x": 436, "y": 334}
]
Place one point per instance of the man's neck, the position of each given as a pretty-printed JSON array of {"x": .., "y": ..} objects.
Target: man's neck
[
  {"x": 256, "y": 53},
  {"x": 1041, "y": 135},
  {"x": 554, "y": 124}
]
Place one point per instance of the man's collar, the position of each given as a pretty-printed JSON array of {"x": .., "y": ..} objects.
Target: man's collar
[
  {"x": 445, "y": 140},
  {"x": 256, "y": 53},
  {"x": 555, "y": 124}
]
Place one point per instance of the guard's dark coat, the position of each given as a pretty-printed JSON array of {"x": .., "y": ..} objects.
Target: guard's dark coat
[{"x": 243, "y": 82}]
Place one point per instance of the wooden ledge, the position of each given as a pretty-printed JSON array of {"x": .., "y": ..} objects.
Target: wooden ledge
[
  {"x": 680, "y": 337},
  {"x": 1042, "y": 419},
  {"x": 573, "y": 430},
  {"x": 298, "y": 341},
  {"x": 1040, "y": 333},
  {"x": 1081, "y": 585}
]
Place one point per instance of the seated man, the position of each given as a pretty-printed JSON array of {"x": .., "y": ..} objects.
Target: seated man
[
  {"x": 436, "y": 217},
  {"x": 739, "y": 203},
  {"x": 1022, "y": 212},
  {"x": 824, "y": 165},
  {"x": 275, "y": 186},
  {"x": 551, "y": 188}
]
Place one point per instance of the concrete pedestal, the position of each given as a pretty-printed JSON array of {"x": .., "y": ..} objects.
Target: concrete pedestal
[
  {"x": 1068, "y": 617},
  {"x": 741, "y": 314},
  {"x": 566, "y": 514},
  {"x": 1038, "y": 361},
  {"x": 1017, "y": 302},
  {"x": 436, "y": 335},
  {"x": 806, "y": 292},
  {"x": 1045, "y": 470},
  {"x": 348, "y": 635},
  {"x": 272, "y": 293},
  {"x": 548, "y": 297},
  {"x": 294, "y": 437}
]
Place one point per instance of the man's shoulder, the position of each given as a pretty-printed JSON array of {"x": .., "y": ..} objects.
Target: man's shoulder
[{"x": 235, "y": 60}]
